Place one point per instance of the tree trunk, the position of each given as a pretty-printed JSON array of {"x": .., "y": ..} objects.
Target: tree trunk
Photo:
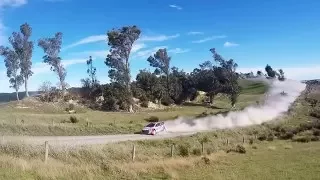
[
  {"x": 211, "y": 98},
  {"x": 17, "y": 93},
  {"x": 26, "y": 86},
  {"x": 168, "y": 88}
]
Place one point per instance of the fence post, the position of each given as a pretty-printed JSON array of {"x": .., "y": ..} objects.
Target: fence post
[
  {"x": 243, "y": 139},
  {"x": 133, "y": 152},
  {"x": 227, "y": 141},
  {"x": 87, "y": 123},
  {"x": 172, "y": 149},
  {"x": 46, "y": 152},
  {"x": 202, "y": 147}
]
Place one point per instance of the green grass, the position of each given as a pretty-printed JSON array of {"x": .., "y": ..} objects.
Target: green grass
[{"x": 30, "y": 117}]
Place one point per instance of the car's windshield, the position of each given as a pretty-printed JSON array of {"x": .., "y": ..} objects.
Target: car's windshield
[{"x": 150, "y": 125}]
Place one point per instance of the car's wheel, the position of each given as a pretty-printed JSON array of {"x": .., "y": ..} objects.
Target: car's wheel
[{"x": 153, "y": 132}]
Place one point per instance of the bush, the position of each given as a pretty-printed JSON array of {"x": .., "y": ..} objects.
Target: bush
[
  {"x": 287, "y": 135},
  {"x": 206, "y": 160},
  {"x": 262, "y": 137},
  {"x": 196, "y": 152},
  {"x": 270, "y": 137},
  {"x": 144, "y": 104},
  {"x": 315, "y": 114},
  {"x": 303, "y": 139},
  {"x": 250, "y": 141},
  {"x": 167, "y": 101},
  {"x": 183, "y": 150},
  {"x": 316, "y": 132},
  {"x": 240, "y": 149},
  {"x": 70, "y": 107},
  {"x": 110, "y": 104},
  {"x": 315, "y": 138},
  {"x": 152, "y": 119},
  {"x": 74, "y": 119},
  {"x": 209, "y": 151}
]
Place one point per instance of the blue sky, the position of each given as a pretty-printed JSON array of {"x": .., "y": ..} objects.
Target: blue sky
[{"x": 284, "y": 34}]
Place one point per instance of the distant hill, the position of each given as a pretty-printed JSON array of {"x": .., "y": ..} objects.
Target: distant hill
[{"x": 7, "y": 97}]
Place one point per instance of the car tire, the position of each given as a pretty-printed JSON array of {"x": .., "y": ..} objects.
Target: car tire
[{"x": 153, "y": 132}]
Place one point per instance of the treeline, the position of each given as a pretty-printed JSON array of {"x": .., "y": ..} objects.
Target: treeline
[{"x": 165, "y": 84}]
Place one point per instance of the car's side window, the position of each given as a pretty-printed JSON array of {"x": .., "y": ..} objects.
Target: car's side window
[{"x": 157, "y": 125}]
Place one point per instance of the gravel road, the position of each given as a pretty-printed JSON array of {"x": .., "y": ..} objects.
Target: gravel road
[{"x": 85, "y": 140}]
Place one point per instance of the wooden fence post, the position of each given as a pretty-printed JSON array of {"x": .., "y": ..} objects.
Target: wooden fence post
[
  {"x": 202, "y": 147},
  {"x": 172, "y": 149},
  {"x": 46, "y": 152},
  {"x": 133, "y": 152},
  {"x": 243, "y": 139},
  {"x": 227, "y": 141}
]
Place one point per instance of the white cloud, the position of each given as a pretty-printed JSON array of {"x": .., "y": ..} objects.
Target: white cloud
[
  {"x": 209, "y": 39},
  {"x": 148, "y": 52},
  {"x": 175, "y": 6},
  {"x": 158, "y": 38},
  {"x": 178, "y": 51},
  {"x": 41, "y": 68},
  {"x": 230, "y": 44},
  {"x": 3, "y": 5},
  {"x": 12, "y": 3},
  {"x": 87, "y": 40},
  {"x": 137, "y": 46},
  {"x": 195, "y": 33}
]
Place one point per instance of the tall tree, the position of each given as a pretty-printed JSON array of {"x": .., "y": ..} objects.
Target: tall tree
[
  {"x": 91, "y": 72},
  {"x": 270, "y": 72},
  {"x": 161, "y": 61},
  {"x": 259, "y": 73},
  {"x": 12, "y": 64},
  {"x": 121, "y": 41},
  {"x": 281, "y": 75},
  {"x": 23, "y": 47},
  {"x": 51, "y": 47},
  {"x": 229, "y": 76}
]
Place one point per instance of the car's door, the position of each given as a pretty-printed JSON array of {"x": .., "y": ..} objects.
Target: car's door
[{"x": 157, "y": 127}]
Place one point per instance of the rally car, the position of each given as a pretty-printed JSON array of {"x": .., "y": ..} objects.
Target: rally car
[{"x": 153, "y": 128}]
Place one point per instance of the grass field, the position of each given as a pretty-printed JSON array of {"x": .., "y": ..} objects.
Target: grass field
[{"x": 31, "y": 117}]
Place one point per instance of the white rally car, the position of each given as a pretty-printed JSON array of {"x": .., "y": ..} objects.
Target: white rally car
[{"x": 154, "y": 128}]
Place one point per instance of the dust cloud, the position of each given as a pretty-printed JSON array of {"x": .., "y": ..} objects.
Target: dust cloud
[{"x": 273, "y": 106}]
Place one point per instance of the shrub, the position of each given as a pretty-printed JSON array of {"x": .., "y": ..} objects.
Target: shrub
[
  {"x": 303, "y": 139},
  {"x": 167, "y": 101},
  {"x": 316, "y": 132},
  {"x": 262, "y": 137},
  {"x": 152, "y": 119},
  {"x": 240, "y": 149},
  {"x": 315, "y": 113},
  {"x": 254, "y": 147},
  {"x": 144, "y": 104},
  {"x": 250, "y": 141},
  {"x": 287, "y": 135},
  {"x": 196, "y": 152},
  {"x": 206, "y": 160},
  {"x": 74, "y": 119},
  {"x": 209, "y": 151},
  {"x": 270, "y": 137},
  {"x": 315, "y": 138},
  {"x": 70, "y": 107},
  {"x": 183, "y": 150}
]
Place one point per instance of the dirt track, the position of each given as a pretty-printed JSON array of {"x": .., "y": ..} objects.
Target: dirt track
[{"x": 85, "y": 140}]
